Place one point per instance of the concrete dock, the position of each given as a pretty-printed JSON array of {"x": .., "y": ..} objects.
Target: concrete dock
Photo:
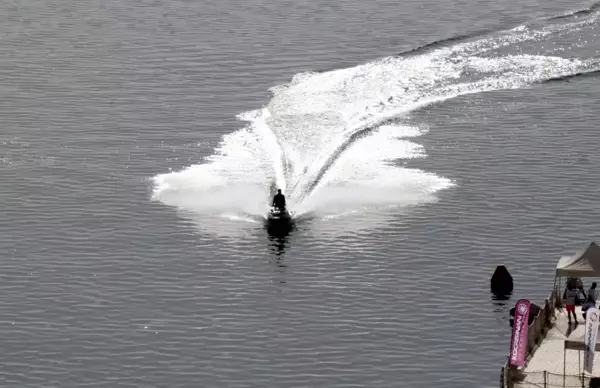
[
  {"x": 555, "y": 349},
  {"x": 545, "y": 367}
]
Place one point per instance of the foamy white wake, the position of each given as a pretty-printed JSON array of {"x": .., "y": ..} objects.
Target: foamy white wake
[{"x": 332, "y": 141}]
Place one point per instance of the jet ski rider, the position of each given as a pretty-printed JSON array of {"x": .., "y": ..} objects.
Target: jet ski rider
[{"x": 279, "y": 200}]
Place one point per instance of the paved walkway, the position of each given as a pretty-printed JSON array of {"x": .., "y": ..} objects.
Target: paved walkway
[{"x": 549, "y": 356}]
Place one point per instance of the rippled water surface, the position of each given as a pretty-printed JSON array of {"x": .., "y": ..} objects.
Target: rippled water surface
[{"x": 419, "y": 143}]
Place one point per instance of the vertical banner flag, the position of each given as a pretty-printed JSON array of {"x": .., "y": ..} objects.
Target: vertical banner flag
[
  {"x": 591, "y": 331},
  {"x": 518, "y": 341}
]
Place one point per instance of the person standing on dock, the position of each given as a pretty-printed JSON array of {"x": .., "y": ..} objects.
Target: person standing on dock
[
  {"x": 588, "y": 304},
  {"x": 570, "y": 296}
]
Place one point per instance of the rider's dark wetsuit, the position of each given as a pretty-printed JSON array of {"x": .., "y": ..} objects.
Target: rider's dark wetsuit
[{"x": 279, "y": 201}]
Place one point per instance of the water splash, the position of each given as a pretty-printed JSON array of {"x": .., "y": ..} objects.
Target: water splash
[{"x": 332, "y": 141}]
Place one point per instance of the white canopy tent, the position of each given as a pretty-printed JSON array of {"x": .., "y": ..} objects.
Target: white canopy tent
[{"x": 585, "y": 263}]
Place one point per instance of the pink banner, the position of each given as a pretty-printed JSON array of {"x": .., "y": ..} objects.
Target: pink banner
[{"x": 518, "y": 341}]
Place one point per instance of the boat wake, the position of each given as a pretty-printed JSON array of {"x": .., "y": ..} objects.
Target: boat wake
[{"x": 335, "y": 141}]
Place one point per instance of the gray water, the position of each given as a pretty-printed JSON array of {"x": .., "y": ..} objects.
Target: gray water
[{"x": 129, "y": 259}]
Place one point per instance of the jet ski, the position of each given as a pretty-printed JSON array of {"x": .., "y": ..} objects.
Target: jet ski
[{"x": 278, "y": 215}]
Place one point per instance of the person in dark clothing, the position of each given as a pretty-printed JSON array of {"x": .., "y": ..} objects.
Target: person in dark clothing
[
  {"x": 279, "y": 200},
  {"x": 592, "y": 292},
  {"x": 589, "y": 302}
]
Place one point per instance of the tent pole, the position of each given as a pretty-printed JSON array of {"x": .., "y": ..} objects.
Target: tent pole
[
  {"x": 554, "y": 291},
  {"x": 559, "y": 288}
]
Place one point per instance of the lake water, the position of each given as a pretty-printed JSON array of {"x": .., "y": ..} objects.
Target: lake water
[{"x": 419, "y": 143}]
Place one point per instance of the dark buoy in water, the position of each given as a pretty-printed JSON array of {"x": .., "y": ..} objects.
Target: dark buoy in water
[{"x": 501, "y": 283}]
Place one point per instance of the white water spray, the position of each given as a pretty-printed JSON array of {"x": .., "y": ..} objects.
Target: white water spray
[{"x": 328, "y": 140}]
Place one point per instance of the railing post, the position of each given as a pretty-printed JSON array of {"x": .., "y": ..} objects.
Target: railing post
[
  {"x": 545, "y": 379},
  {"x": 504, "y": 373}
]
